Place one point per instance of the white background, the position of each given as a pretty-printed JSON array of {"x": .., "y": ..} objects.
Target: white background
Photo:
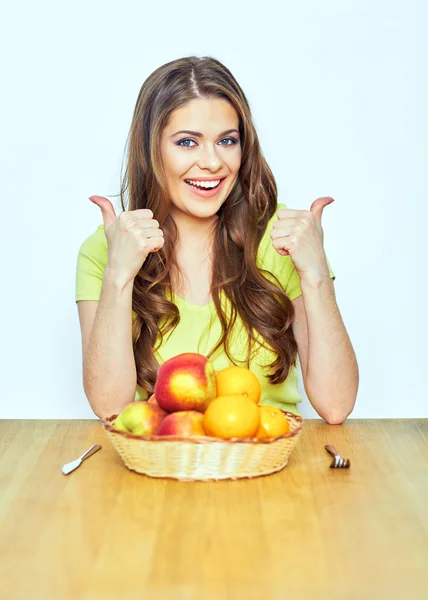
[{"x": 339, "y": 95}]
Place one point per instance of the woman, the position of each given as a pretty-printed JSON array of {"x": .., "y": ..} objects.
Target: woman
[{"x": 205, "y": 260}]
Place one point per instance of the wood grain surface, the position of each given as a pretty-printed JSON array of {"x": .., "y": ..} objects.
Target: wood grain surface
[{"x": 309, "y": 531}]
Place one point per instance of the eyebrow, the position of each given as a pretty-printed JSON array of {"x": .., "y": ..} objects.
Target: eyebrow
[{"x": 198, "y": 134}]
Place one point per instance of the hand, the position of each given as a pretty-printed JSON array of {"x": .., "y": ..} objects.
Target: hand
[
  {"x": 298, "y": 233},
  {"x": 130, "y": 237}
]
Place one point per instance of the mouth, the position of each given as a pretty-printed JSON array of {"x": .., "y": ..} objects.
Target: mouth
[{"x": 207, "y": 188}]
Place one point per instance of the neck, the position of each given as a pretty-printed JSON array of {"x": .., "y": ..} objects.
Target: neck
[{"x": 195, "y": 233}]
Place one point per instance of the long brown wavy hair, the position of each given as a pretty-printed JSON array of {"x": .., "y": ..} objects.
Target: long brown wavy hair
[{"x": 262, "y": 304}]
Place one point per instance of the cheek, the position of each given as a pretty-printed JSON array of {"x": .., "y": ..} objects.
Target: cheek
[
  {"x": 180, "y": 163},
  {"x": 234, "y": 161}
]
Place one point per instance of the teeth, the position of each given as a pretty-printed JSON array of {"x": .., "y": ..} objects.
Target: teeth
[{"x": 204, "y": 184}]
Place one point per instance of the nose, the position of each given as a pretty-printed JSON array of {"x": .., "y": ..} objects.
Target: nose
[{"x": 209, "y": 159}]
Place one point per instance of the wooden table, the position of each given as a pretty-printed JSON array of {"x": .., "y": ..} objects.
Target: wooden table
[{"x": 309, "y": 531}]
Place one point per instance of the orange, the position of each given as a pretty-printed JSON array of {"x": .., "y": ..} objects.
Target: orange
[
  {"x": 273, "y": 422},
  {"x": 231, "y": 417},
  {"x": 239, "y": 380}
]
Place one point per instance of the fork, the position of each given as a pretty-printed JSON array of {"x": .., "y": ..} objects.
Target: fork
[
  {"x": 338, "y": 462},
  {"x": 70, "y": 466}
]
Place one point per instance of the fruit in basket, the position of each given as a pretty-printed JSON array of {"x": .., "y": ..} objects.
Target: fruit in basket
[
  {"x": 184, "y": 423},
  {"x": 239, "y": 380},
  {"x": 185, "y": 382},
  {"x": 273, "y": 422},
  {"x": 232, "y": 416},
  {"x": 118, "y": 423},
  {"x": 140, "y": 418},
  {"x": 152, "y": 400}
]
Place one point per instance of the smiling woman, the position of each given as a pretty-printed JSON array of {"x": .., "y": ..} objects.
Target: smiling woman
[
  {"x": 205, "y": 164},
  {"x": 203, "y": 259}
]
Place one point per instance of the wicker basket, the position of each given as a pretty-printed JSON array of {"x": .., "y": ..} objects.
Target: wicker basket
[{"x": 204, "y": 458}]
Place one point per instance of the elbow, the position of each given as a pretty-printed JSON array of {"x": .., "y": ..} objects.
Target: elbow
[
  {"x": 334, "y": 409},
  {"x": 335, "y": 419},
  {"x": 98, "y": 406},
  {"x": 102, "y": 412},
  {"x": 333, "y": 412},
  {"x": 105, "y": 407},
  {"x": 336, "y": 416}
]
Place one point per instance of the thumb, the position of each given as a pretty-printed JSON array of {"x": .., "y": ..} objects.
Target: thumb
[
  {"x": 107, "y": 209},
  {"x": 318, "y": 206}
]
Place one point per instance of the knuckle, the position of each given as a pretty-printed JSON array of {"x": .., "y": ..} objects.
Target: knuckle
[
  {"x": 128, "y": 224},
  {"x": 156, "y": 244}
]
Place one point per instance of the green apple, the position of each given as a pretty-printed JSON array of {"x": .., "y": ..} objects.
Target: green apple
[
  {"x": 118, "y": 423},
  {"x": 140, "y": 418}
]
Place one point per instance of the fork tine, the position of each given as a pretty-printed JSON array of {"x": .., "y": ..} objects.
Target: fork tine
[{"x": 340, "y": 463}]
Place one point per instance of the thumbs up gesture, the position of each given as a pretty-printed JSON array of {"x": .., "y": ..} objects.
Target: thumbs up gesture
[
  {"x": 130, "y": 238},
  {"x": 298, "y": 233}
]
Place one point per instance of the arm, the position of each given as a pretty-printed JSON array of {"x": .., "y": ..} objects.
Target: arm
[
  {"x": 109, "y": 371},
  {"x": 107, "y": 345},
  {"x": 329, "y": 365}
]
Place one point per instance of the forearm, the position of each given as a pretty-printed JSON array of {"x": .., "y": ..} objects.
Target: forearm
[
  {"x": 331, "y": 380},
  {"x": 109, "y": 373}
]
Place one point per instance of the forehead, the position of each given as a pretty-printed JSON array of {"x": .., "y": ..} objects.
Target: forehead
[{"x": 207, "y": 116}]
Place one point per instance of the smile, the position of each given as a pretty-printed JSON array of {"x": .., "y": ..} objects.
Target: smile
[
  {"x": 206, "y": 189},
  {"x": 203, "y": 184}
]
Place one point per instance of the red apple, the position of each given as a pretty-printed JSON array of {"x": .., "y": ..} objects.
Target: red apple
[
  {"x": 140, "y": 418},
  {"x": 185, "y": 382},
  {"x": 184, "y": 423}
]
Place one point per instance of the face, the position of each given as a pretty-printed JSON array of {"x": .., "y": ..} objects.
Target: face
[{"x": 201, "y": 148}]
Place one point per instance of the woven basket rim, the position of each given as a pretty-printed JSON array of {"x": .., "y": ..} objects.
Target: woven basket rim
[{"x": 196, "y": 439}]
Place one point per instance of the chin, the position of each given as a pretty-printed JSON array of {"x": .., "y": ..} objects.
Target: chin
[{"x": 202, "y": 208}]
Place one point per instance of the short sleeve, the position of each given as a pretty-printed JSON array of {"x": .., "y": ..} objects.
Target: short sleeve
[
  {"x": 281, "y": 266},
  {"x": 91, "y": 263}
]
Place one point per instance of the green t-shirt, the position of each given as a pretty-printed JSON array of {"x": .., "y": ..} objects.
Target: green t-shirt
[{"x": 199, "y": 327}]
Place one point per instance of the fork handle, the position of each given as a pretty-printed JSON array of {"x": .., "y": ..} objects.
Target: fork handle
[
  {"x": 332, "y": 450},
  {"x": 91, "y": 451}
]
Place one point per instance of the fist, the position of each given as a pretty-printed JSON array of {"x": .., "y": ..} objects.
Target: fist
[
  {"x": 130, "y": 237},
  {"x": 298, "y": 233}
]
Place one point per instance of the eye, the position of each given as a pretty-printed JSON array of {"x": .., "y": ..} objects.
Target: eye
[
  {"x": 232, "y": 141},
  {"x": 183, "y": 145}
]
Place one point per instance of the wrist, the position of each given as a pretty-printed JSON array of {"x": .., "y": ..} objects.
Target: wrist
[
  {"x": 315, "y": 280},
  {"x": 117, "y": 281}
]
